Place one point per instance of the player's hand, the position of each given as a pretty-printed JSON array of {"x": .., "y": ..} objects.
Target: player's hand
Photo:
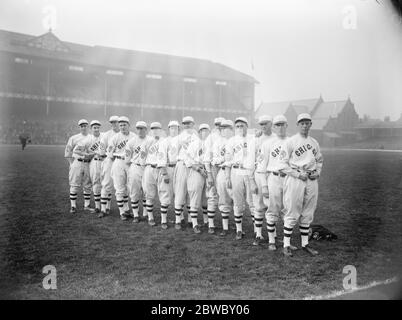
[
  {"x": 313, "y": 175},
  {"x": 265, "y": 192},
  {"x": 210, "y": 182},
  {"x": 253, "y": 186},
  {"x": 228, "y": 184},
  {"x": 303, "y": 176}
]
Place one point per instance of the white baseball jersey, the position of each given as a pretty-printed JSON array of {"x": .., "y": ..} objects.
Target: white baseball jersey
[
  {"x": 209, "y": 145},
  {"x": 274, "y": 151},
  {"x": 219, "y": 150},
  {"x": 241, "y": 151},
  {"x": 260, "y": 165},
  {"x": 71, "y": 143},
  {"x": 105, "y": 141},
  {"x": 195, "y": 152},
  {"x": 184, "y": 140},
  {"x": 168, "y": 151},
  {"x": 302, "y": 154},
  {"x": 152, "y": 147},
  {"x": 90, "y": 144},
  {"x": 117, "y": 144},
  {"x": 136, "y": 149}
]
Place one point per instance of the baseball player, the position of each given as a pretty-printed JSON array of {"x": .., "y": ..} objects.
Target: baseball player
[
  {"x": 106, "y": 166},
  {"x": 240, "y": 165},
  {"x": 152, "y": 178},
  {"x": 136, "y": 153},
  {"x": 225, "y": 202},
  {"x": 260, "y": 200},
  {"x": 303, "y": 163},
  {"x": 273, "y": 152},
  {"x": 181, "y": 172},
  {"x": 167, "y": 159},
  {"x": 116, "y": 151},
  {"x": 90, "y": 147},
  {"x": 78, "y": 169}
]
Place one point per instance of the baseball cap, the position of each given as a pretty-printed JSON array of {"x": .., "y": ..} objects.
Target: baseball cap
[
  {"x": 227, "y": 123},
  {"x": 173, "y": 123},
  {"x": 218, "y": 120},
  {"x": 188, "y": 119},
  {"x": 203, "y": 126},
  {"x": 155, "y": 125},
  {"x": 264, "y": 119},
  {"x": 242, "y": 119},
  {"x": 279, "y": 119},
  {"x": 124, "y": 119},
  {"x": 95, "y": 122},
  {"x": 83, "y": 121},
  {"x": 141, "y": 124},
  {"x": 303, "y": 116},
  {"x": 113, "y": 118}
]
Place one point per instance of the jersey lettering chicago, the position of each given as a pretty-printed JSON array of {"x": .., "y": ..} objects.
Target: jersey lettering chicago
[
  {"x": 260, "y": 159},
  {"x": 152, "y": 150},
  {"x": 136, "y": 149},
  {"x": 274, "y": 151},
  {"x": 241, "y": 151},
  {"x": 118, "y": 143}
]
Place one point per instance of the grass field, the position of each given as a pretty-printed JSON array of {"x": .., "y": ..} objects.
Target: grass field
[{"x": 108, "y": 258}]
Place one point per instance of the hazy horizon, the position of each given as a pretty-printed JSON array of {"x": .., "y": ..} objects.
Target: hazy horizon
[{"x": 296, "y": 49}]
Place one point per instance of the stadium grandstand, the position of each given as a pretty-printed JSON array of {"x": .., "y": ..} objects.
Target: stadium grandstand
[{"x": 47, "y": 84}]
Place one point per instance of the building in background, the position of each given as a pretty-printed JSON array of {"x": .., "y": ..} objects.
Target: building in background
[
  {"x": 334, "y": 122},
  {"x": 44, "y": 78}
]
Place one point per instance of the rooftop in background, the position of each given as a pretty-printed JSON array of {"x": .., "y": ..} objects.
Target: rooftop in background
[{"x": 49, "y": 46}]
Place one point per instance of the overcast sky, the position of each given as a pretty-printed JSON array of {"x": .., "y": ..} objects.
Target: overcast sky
[{"x": 299, "y": 48}]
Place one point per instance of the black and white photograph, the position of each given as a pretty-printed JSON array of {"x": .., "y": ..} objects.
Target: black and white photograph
[{"x": 200, "y": 150}]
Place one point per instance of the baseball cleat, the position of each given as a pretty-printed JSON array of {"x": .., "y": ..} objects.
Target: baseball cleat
[
  {"x": 197, "y": 229},
  {"x": 164, "y": 226},
  {"x": 101, "y": 214},
  {"x": 136, "y": 220},
  {"x": 272, "y": 247},
  {"x": 128, "y": 214},
  {"x": 97, "y": 210},
  {"x": 224, "y": 233},
  {"x": 287, "y": 252},
  {"x": 177, "y": 226},
  {"x": 239, "y": 235},
  {"x": 293, "y": 248},
  {"x": 89, "y": 210},
  {"x": 152, "y": 222},
  {"x": 189, "y": 224},
  {"x": 211, "y": 230},
  {"x": 73, "y": 210},
  {"x": 310, "y": 250},
  {"x": 257, "y": 241}
]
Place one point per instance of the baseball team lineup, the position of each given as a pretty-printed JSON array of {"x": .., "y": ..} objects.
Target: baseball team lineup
[{"x": 220, "y": 170}]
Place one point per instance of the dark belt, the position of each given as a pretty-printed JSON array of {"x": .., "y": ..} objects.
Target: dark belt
[
  {"x": 152, "y": 165},
  {"x": 171, "y": 165},
  {"x": 281, "y": 174},
  {"x": 83, "y": 160},
  {"x": 238, "y": 167},
  {"x": 139, "y": 165},
  {"x": 97, "y": 159},
  {"x": 120, "y": 157}
]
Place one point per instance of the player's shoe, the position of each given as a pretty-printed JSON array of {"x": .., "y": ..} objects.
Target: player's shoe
[
  {"x": 97, "y": 210},
  {"x": 293, "y": 248},
  {"x": 224, "y": 233},
  {"x": 128, "y": 214},
  {"x": 164, "y": 226},
  {"x": 197, "y": 229},
  {"x": 101, "y": 214},
  {"x": 152, "y": 222},
  {"x": 287, "y": 252},
  {"x": 136, "y": 220},
  {"x": 310, "y": 250},
  {"x": 211, "y": 230},
  {"x": 257, "y": 241},
  {"x": 73, "y": 210},
  {"x": 272, "y": 247},
  {"x": 189, "y": 224},
  {"x": 177, "y": 226},
  {"x": 239, "y": 235},
  {"x": 89, "y": 210}
]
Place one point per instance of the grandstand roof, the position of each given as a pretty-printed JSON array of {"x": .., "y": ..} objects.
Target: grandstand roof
[
  {"x": 49, "y": 46},
  {"x": 327, "y": 110}
]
